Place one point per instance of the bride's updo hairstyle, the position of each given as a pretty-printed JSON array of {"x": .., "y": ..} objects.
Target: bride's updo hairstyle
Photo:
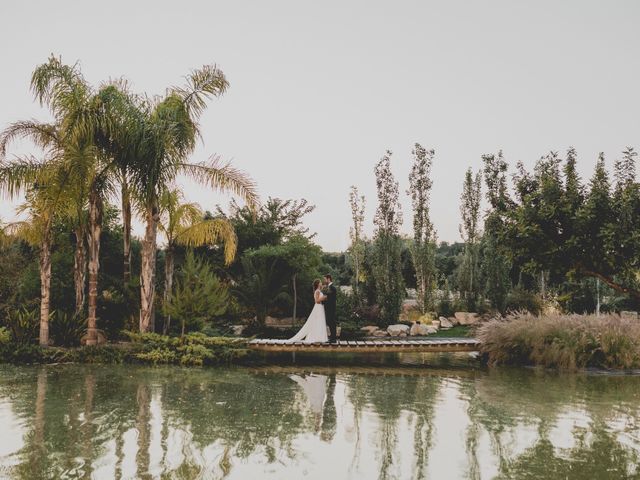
[{"x": 316, "y": 282}]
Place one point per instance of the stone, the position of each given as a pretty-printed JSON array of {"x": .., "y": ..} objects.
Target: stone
[
  {"x": 237, "y": 329},
  {"x": 395, "y": 330},
  {"x": 369, "y": 329},
  {"x": 453, "y": 321},
  {"x": 419, "y": 329},
  {"x": 431, "y": 330},
  {"x": 445, "y": 323},
  {"x": 379, "y": 333},
  {"x": 101, "y": 339},
  {"x": 629, "y": 315},
  {"x": 435, "y": 324},
  {"x": 467, "y": 318}
]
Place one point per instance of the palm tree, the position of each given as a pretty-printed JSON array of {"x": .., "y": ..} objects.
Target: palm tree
[
  {"x": 169, "y": 136},
  {"x": 50, "y": 139},
  {"x": 84, "y": 118},
  {"x": 42, "y": 204},
  {"x": 185, "y": 224}
]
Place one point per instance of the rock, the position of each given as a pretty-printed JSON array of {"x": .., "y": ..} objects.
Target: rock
[
  {"x": 369, "y": 329},
  {"x": 395, "y": 330},
  {"x": 418, "y": 329},
  {"x": 100, "y": 340},
  {"x": 453, "y": 321},
  {"x": 409, "y": 304},
  {"x": 402, "y": 334},
  {"x": 467, "y": 318},
  {"x": 435, "y": 324},
  {"x": 379, "y": 333},
  {"x": 629, "y": 315},
  {"x": 431, "y": 330},
  {"x": 445, "y": 323},
  {"x": 403, "y": 317},
  {"x": 237, "y": 329}
]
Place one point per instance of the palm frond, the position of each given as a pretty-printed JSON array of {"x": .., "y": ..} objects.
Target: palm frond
[
  {"x": 224, "y": 178},
  {"x": 208, "y": 232},
  {"x": 19, "y": 174},
  {"x": 44, "y": 135},
  {"x": 203, "y": 83}
]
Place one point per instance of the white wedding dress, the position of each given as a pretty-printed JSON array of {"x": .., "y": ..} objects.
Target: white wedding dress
[{"x": 315, "y": 328}]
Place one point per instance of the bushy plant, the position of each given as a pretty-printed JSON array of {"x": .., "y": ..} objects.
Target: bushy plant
[
  {"x": 519, "y": 300},
  {"x": 5, "y": 336},
  {"x": 190, "y": 349},
  {"x": 66, "y": 329},
  {"x": 24, "y": 325},
  {"x": 199, "y": 295},
  {"x": 562, "y": 341}
]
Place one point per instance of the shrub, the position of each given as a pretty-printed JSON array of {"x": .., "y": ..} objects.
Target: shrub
[
  {"x": 519, "y": 300},
  {"x": 562, "y": 341},
  {"x": 5, "y": 336},
  {"x": 67, "y": 329},
  {"x": 198, "y": 297},
  {"x": 191, "y": 349},
  {"x": 24, "y": 325}
]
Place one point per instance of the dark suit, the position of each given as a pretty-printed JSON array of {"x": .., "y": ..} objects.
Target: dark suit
[{"x": 330, "y": 311}]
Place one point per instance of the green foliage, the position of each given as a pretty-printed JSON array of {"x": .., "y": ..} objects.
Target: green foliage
[
  {"x": 24, "y": 325},
  {"x": 5, "y": 336},
  {"x": 386, "y": 265},
  {"x": 521, "y": 300},
  {"x": 199, "y": 295},
  {"x": 67, "y": 329},
  {"x": 564, "y": 342},
  {"x": 191, "y": 349},
  {"x": 423, "y": 247}
]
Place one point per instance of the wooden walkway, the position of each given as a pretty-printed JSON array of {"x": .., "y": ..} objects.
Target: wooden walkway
[{"x": 408, "y": 345}]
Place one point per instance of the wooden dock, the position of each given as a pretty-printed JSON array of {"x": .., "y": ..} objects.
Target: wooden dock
[{"x": 408, "y": 345}]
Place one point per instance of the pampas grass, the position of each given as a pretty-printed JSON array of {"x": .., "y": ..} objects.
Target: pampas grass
[{"x": 566, "y": 342}]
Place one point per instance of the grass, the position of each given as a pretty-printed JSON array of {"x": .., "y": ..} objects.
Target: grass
[
  {"x": 566, "y": 342},
  {"x": 455, "y": 332}
]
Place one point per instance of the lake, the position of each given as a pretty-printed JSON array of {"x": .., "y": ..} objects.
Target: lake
[{"x": 97, "y": 421}]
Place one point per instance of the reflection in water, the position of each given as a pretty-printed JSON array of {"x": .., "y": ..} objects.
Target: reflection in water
[{"x": 71, "y": 421}]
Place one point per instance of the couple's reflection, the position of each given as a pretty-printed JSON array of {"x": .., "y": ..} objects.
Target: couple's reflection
[{"x": 320, "y": 392}]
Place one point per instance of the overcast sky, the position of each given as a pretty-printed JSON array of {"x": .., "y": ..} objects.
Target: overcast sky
[{"x": 319, "y": 90}]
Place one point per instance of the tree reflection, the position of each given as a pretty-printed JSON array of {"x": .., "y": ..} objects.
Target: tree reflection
[{"x": 94, "y": 421}]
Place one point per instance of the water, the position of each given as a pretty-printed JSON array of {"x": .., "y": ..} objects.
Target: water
[{"x": 77, "y": 421}]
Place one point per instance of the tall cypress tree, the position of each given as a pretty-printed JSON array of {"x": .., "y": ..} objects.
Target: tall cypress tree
[
  {"x": 470, "y": 231},
  {"x": 387, "y": 264},
  {"x": 423, "y": 247}
]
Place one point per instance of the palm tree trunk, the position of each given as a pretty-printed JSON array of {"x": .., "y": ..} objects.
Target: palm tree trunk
[
  {"x": 148, "y": 271},
  {"x": 295, "y": 298},
  {"x": 126, "y": 234},
  {"x": 168, "y": 284},
  {"x": 80, "y": 268},
  {"x": 95, "y": 227},
  {"x": 45, "y": 284}
]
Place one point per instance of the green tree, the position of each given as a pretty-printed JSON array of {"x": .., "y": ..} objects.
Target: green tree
[
  {"x": 470, "y": 231},
  {"x": 184, "y": 224},
  {"x": 199, "y": 295},
  {"x": 168, "y": 136},
  {"x": 356, "y": 234},
  {"x": 496, "y": 264},
  {"x": 423, "y": 248},
  {"x": 387, "y": 247}
]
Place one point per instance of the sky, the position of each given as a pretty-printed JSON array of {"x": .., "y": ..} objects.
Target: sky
[{"x": 320, "y": 90}]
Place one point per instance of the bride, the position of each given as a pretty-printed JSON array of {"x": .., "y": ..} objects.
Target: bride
[{"x": 315, "y": 328}]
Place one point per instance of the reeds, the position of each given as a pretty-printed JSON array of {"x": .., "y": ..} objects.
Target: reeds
[{"x": 566, "y": 342}]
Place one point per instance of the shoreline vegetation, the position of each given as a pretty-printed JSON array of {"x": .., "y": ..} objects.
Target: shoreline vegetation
[
  {"x": 76, "y": 285},
  {"x": 563, "y": 342}
]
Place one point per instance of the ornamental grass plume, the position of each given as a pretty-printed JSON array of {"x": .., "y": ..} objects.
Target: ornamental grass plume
[{"x": 566, "y": 342}]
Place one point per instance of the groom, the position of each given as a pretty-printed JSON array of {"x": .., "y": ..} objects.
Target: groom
[{"x": 330, "y": 307}]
